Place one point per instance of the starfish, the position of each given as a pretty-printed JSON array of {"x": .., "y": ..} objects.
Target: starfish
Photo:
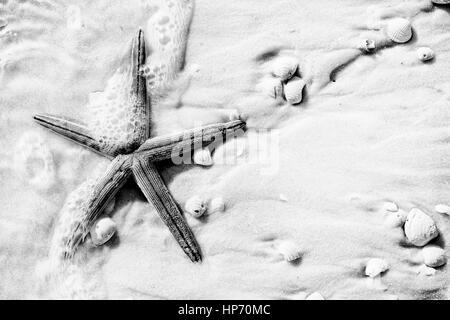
[{"x": 133, "y": 153}]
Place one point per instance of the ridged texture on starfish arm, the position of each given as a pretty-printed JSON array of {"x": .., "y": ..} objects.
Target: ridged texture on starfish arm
[
  {"x": 119, "y": 117},
  {"x": 71, "y": 129},
  {"x": 85, "y": 205},
  {"x": 164, "y": 147},
  {"x": 166, "y": 35},
  {"x": 156, "y": 192}
]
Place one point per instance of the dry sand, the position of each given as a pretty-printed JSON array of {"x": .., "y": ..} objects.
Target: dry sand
[{"x": 371, "y": 129}]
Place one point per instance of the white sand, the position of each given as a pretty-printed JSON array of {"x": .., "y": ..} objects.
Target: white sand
[{"x": 377, "y": 133}]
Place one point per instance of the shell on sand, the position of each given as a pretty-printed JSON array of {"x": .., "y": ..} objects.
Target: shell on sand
[
  {"x": 195, "y": 206},
  {"x": 315, "y": 296},
  {"x": 442, "y": 208},
  {"x": 395, "y": 219},
  {"x": 390, "y": 206},
  {"x": 426, "y": 271},
  {"x": 425, "y": 54},
  {"x": 433, "y": 256},
  {"x": 103, "y": 230},
  {"x": 367, "y": 45},
  {"x": 399, "y": 30},
  {"x": 203, "y": 157},
  {"x": 289, "y": 251},
  {"x": 284, "y": 67},
  {"x": 375, "y": 267},
  {"x": 216, "y": 205},
  {"x": 420, "y": 228},
  {"x": 293, "y": 90},
  {"x": 271, "y": 87}
]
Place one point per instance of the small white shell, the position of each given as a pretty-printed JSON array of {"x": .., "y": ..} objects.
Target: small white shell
[
  {"x": 289, "y": 250},
  {"x": 433, "y": 256},
  {"x": 315, "y": 296},
  {"x": 390, "y": 206},
  {"x": 271, "y": 87},
  {"x": 196, "y": 206},
  {"x": 284, "y": 67},
  {"x": 367, "y": 45},
  {"x": 442, "y": 208},
  {"x": 425, "y": 54},
  {"x": 395, "y": 219},
  {"x": 426, "y": 271},
  {"x": 293, "y": 90},
  {"x": 375, "y": 267},
  {"x": 420, "y": 228},
  {"x": 216, "y": 205},
  {"x": 283, "y": 197},
  {"x": 203, "y": 157},
  {"x": 102, "y": 230},
  {"x": 399, "y": 30}
]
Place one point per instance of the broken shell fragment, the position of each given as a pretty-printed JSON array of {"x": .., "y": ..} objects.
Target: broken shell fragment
[
  {"x": 271, "y": 87},
  {"x": 196, "y": 206},
  {"x": 284, "y": 67},
  {"x": 367, "y": 45},
  {"x": 399, "y": 30},
  {"x": 425, "y": 54},
  {"x": 216, "y": 205},
  {"x": 420, "y": 228},
  {"x": 289, "y": 251},
  {"x": 102, "y": 230},
  {"x": 442, "y": 208},
  {"x": 376, "y": 267},
  {"x": 293, "y": 90},
  {"x": 433, "y": 256},
  {"x": 203, "y": 157}
]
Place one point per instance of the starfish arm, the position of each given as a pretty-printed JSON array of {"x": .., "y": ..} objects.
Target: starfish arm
[
  {"x": 164, "y": 147},
  {"x": 72, "y": 130},
  {"x": 139, "y": 84},
  {"x": 105, "y": 189},
  {"x": 136, "y": 108},
  {"x": 156, "y": 192},
  {"x": 140, "y": 105}
]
